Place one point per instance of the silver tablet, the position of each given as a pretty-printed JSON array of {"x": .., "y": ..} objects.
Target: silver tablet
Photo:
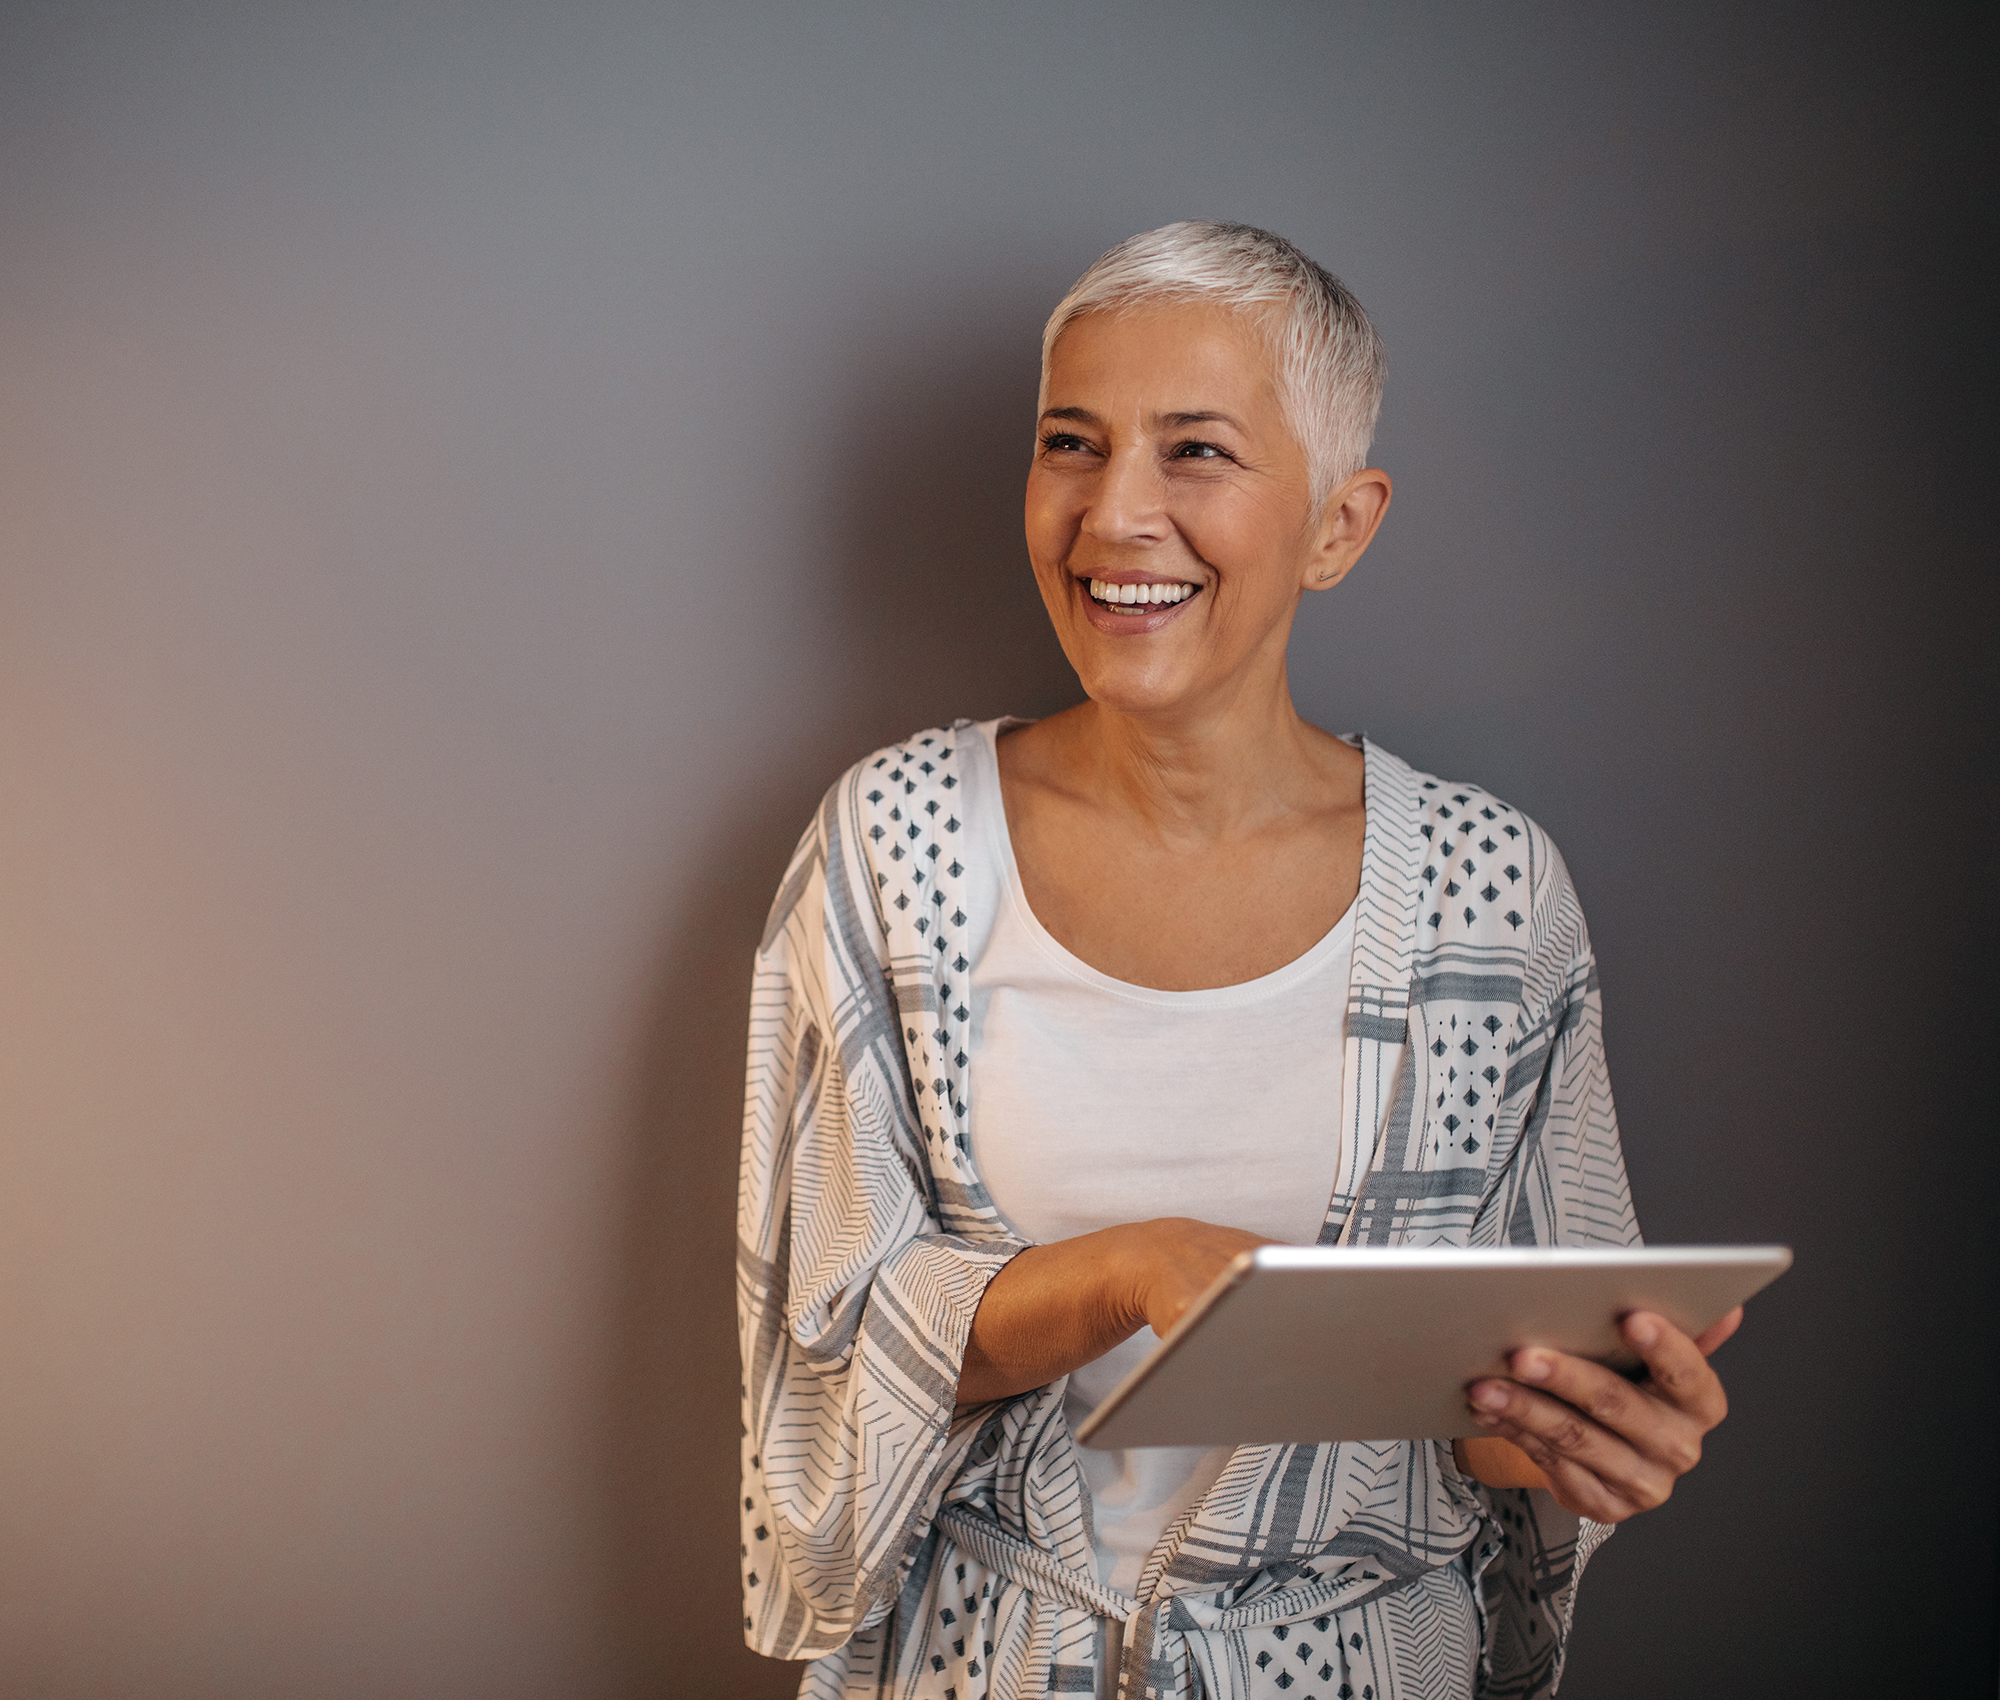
[{"x": 1313, "y": 1343}]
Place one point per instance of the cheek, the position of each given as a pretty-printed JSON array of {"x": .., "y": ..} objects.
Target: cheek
[
  {"x": 1047, "y": 522},
  {"x": 1256, "y": 547}
]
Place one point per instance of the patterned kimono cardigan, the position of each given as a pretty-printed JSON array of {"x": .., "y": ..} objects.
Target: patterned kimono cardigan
[{"x": 915, "y": 1553}]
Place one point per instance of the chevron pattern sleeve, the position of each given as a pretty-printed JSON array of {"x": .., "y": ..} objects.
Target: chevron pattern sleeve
[
  {"x": 1568, "y": 1185},
  {"x": 1564, "y": 1185},
  {"x": 853, "y": 1305}
]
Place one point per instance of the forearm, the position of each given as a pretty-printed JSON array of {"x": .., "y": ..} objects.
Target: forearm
[
  {"x": 1053, "y": 1308},
  {"x": 1056, "y": 1307}
]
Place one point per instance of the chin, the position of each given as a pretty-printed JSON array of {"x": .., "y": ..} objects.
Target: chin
[{"x": 1136, "y": 690}]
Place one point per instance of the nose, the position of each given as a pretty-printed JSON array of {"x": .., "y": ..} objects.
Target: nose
[{"x": 1126, "y": 504}]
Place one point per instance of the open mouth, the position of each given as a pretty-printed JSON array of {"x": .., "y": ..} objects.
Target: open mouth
[{"x": 1140, "y": 598}]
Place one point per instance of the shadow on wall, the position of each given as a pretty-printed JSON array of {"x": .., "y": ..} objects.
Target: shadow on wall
[{"x": 940, "y": 618}]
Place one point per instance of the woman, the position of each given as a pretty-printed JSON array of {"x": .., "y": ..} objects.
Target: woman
[{"x": 1052, "y": 1020}]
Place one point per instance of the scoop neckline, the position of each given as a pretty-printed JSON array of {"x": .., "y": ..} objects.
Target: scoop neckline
[{"x": 1334, "y": 942}]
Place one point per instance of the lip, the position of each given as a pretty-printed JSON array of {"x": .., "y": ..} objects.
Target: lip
[{"x": 1131, "y": 625}]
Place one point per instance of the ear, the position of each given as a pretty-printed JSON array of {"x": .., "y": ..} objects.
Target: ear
[{"x": 1347, "y": 526}]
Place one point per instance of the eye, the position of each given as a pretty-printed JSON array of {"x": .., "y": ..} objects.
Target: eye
[
  {"x": 1197, "y": 451},
  {"x": 1063, "y": 442}
]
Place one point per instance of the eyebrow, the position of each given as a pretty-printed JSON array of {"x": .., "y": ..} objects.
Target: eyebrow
[{"x": 1205, "y": 416}]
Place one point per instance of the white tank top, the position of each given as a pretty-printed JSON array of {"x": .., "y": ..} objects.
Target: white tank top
[{"x": 1095, "y": 1102}]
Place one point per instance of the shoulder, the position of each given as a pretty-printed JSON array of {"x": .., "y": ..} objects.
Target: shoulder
[
  {"x": 900, "y": 800},
  {"x": 884, "y": 832},
  {"x": 916, "y": 769},
  {"x": 1487, "y": 875},
  {"x": 870, "y": 815},
  {"x": 1466, "y": 836}
]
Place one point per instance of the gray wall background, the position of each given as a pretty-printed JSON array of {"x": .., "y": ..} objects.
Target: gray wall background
[{"x": 471, "y": 475}]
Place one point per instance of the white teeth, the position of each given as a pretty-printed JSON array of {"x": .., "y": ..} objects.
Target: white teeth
[{"x": 1133, "y": 595}]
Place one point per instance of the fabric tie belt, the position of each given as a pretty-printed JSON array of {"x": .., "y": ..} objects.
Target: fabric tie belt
[{"x": 1136, "y": 1630}]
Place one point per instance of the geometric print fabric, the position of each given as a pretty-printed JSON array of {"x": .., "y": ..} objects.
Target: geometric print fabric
[{"x": 912, "y": 1552}]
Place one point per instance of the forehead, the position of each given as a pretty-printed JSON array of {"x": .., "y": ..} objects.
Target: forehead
[{"x": 1173, "y": 356}]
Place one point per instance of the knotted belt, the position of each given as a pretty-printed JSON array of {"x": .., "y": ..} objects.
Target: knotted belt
[{"x": 1136, "y": 1630}]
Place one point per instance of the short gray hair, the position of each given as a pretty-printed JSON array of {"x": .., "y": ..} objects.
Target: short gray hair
[{"x": 1330, "y": 362}]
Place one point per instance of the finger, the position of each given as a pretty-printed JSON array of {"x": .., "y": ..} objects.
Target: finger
[
  {"x": 1651, "y": 1426},
  {"x": 1678, "y": 1373},
  {"x": 1556, "y": 1433},
  {"x": 1717, "y": 1332},
  {"x": 1574, "y": 1487},
  {"x": 1591, "y": 1471},
  {"x": 1587, "y": 1494}
]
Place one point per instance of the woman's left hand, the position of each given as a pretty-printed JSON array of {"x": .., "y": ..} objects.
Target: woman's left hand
[{"x": 1610, "y": 1448}]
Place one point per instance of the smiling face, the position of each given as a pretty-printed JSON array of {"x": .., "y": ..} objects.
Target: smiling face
[{"x": 1169, "y": 510}]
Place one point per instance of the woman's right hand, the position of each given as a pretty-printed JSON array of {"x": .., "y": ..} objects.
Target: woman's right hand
[
  {"x": 1057, "y": 1307},
  {"x": 1180, "y": 1261}
]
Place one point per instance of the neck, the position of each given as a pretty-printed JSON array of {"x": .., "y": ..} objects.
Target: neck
[{"x": 1211, "y": 770}]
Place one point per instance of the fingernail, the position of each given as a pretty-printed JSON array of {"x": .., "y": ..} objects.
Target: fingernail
[
  {"x": 1489, "y": 1396},
  {"x": 1642, "y": 1331},
  {"x": 1531, "y": 1366}
]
